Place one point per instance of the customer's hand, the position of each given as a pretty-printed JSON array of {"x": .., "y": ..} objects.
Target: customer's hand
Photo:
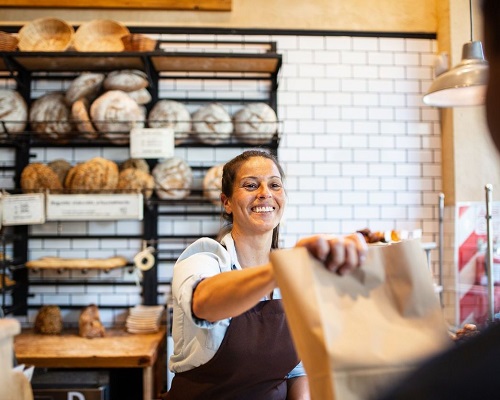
[{"x": 339, "y": 254}]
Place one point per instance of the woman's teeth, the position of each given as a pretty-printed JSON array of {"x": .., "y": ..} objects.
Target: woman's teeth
[{"x": 262, "y": 209}]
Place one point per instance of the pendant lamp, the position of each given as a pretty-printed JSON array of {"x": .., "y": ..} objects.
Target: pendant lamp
[{"x": 464, "y": 84}]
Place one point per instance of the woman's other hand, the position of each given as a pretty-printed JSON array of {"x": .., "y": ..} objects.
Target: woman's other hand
[{"x": 339, "y": 254}]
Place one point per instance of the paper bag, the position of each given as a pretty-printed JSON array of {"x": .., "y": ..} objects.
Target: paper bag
[{"x": 356, "y": 334}]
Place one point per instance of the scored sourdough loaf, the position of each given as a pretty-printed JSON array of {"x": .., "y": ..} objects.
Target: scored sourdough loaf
[
  {"x": 137, "y": 163},
  {"x": 85, "y": 86},
  {"x": 61, "y": 168},
  {"x": 38, "y": 177},
  {"x": 81, "y": 119},
  {"x": 212, "y": 184},
  {"x": 48, "y": 320},
  {"x": 50, "y": 117},
  {"x": 127, "y": 80},
  {"x": 212, "y": 124},
  {"x": 93, "y": 176},
  {"x": 135, "y": 180},
  {"x": 171, "y": 114},
  {"x": 13, "y": 111},
  {"x": 256, "y": 123},
  {"x": 141, "y": 96},
  {"x": 173, "y": 178},
  {"x": 89, "y": 323}
]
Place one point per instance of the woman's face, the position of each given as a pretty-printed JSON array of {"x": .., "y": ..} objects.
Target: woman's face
[{"x": 258, "y": 199}]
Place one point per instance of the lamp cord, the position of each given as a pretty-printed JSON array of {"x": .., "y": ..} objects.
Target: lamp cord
[{"x": 471, "y": 20}]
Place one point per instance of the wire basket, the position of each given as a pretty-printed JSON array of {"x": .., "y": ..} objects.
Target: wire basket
[
  {"x": 100, "y": 35},
  {"x": 45, "y": 34},
  {"x": 8, "y": 42},
  {"x": 138, "y": 42}
]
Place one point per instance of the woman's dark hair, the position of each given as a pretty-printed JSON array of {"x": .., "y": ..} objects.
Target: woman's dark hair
[{"x": 229, "y": 172}]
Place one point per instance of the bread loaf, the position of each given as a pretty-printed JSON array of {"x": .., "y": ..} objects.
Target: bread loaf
[
  {"x": 135, "y": 180},
  {"x": 127, "y": 80},
  {"x": 256, "y": 123},
  {"x": 85, "y": 86},
  {"x": 173, "y": 178},
  {"x": 81, "y": 119},
  {"x": 212, "y": 184},
  {"x": 141, "y": 96},
  {"x": 212, "y": 124},
  {"x": 171, "y": 114},
  {"x": 89, "y": 323},
  {"x": 48, "y": 320},
  {"x": 93, "y": 176},
  {"x": 38, "y": 177},
  {"x": 50, "y": 117},
  {"x": 13, "y": 111},
  {"x": 77, "y": 263},
  {"x": 61, "y": 168},
  {"x": 137, "y": 163}
]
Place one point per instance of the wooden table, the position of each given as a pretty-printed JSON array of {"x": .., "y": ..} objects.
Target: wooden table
[{"x": 119, "y": 349}]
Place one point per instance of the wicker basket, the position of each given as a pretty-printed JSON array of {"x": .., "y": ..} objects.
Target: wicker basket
[
  {"x": 8, "y": 42},
  {"x": 138, "y": 42},
  {"x": 45, "y": 34},
  {"x": 100, "y": 35}
]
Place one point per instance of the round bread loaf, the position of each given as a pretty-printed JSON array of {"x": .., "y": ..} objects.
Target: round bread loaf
[
  {"x": 173, "y": 178},
  {"x": 137, "y": 163},
  {"x": 135, "y": 180},
  {"x": 48, "y": 321},
  {"x": 256, "y": 123},
  {"x": 212, "y": 124},
  {"x": 61, "y": 168},
  {"x": 141, "y": 96},
  {"x": 127, "y": 80},
  {"x": 37, "y": 177},
  {"x": 93, "y": 176},
  {"x": 86, "y": 85},
  {"x": 13, "y": 111},
  {"x": 89, "y": 323},
  {"x": 81, "y": 119},
  {"x": 50, "y": 117},
  {"x": 171, "y": 114},
  {"x": 212, "y": 184},
  {"x": 114, "y": 113}
]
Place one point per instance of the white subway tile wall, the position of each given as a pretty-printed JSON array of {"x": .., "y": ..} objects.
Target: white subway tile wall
[{"x": 359, "y": 148}]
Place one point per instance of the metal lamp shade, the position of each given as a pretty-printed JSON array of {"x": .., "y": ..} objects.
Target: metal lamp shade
[{"x": 463, "y": 85}]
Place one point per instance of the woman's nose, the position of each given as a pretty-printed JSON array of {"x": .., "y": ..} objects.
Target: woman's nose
[{"x": 264, "y": 193}]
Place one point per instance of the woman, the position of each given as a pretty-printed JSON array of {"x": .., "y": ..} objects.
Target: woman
[{"x": 231, "y": 340}]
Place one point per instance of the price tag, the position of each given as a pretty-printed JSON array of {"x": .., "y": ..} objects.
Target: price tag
[
  {"x": 23, "y": 209},
  {"x": 87, "y": 207},
  {"x": 152, "y": 143}
]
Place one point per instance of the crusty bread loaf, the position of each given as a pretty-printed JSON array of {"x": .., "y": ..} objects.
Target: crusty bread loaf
[
  {"x": 137, "y": 163},
  {"x": 50, "y": 117},
  {"x": 212, "y": 184},
  {"x": 94, "y": 175},
  {"x": 89, "y": 323},
  {"x": 77, "y": 263},
  {"x": 171, "y": 114},
  {"x": 141, "y": 96},
  {"x": 86, "y": 85},
  {"x": 127, "y": 80},
  {"x": 173, "y": 178},
  {"x": 13, "y": 111},
  {"x": 61, "y": 168},
  {"x": 256, "y": 123},
  {"x": 38, "y": 177},
  {"x": 48, "y": 320},
  {"x": 81, "y": 119},
  {"x": 135, "y": 180},
  {"x": 212, "y": 124}
]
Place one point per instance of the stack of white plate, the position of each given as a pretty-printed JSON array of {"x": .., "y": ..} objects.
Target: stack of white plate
[{"x": 144, "y": 319}]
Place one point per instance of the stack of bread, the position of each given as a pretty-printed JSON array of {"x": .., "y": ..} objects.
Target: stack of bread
[{"x": 13, "y": 111}]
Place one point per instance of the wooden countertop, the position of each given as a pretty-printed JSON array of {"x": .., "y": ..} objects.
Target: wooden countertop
[{"x": 119, "y": 349}]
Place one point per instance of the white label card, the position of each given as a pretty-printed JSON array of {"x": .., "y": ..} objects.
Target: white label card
[
  {"x": 85, "y": 207},
  {"x": 152, "y": 143},
  {"x": 23, "y": 209}
]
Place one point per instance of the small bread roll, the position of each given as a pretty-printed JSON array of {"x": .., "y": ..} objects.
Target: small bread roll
[
  {"x": 37, "y": 177},
  {"x": 48, "y": 321},
  {"x": 94, "y": 175},
  {"x": 61, "y": 168},
  {"x": 256, "y": 123},
  {"x": 89, "y": 323},
  {"x": 137, "y": 163},
  {"x": 135, "y": 180},
  {"x": 81, "y": 118},
  {"x": 171, "y": 114},
  {"x": 86, "y": 85},
  {"x": 13, "y": 111},
  {"x": 127, "y": 80},
  {"x": 50, "y": 117},
  {"x": 212, "y": 184},
  {"x": 212, "y": 124},
  {"x": 173, "y": 178}
]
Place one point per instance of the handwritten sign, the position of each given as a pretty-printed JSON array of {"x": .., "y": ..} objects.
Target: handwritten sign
[{"x": 23, "y": 209}]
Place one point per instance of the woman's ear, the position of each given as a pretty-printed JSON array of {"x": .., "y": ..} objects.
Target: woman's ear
[{"x": 226, "y": 203}]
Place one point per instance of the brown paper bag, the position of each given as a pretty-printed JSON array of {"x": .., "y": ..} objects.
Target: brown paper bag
[{"x": 356, "y": 334}]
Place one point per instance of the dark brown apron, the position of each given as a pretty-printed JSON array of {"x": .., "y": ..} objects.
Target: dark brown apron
[{"x": 252, "y": 362}]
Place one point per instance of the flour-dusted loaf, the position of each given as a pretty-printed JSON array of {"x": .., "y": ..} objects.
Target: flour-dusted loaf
[
  {"x": 137, "y": 163},
  {"x": 212, "y": 184},
  {"x": 50, "y": 117},
  {"x": 13, "y": 111},
  {"x": 173, "y": 178},
  {"x": 48, "y": 320},
  {"x": 89, "y": 323},
  {"x": 127, "y": 80},
  {"x": 81, "y": 119},
  {"x": 114, "y": 114},
  {"x": 256, "y": 123},
  {"x": 141, "y": 96},
  {"x": 171, "y": 114},
  {"x": 135, "y": 180},
  {"x": 93, "y": 176},
  {"x": 212, "y": 124},
  {"x": 86, "y": 85},
  {"x": 38, "y": 177},
  {"x": 61, "y": 168}
]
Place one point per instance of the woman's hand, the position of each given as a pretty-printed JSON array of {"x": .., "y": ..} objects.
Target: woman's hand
[{"x": 339, "y": 254}]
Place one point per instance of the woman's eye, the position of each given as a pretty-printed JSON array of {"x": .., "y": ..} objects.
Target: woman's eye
[{"x": 250, "y": 185}]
